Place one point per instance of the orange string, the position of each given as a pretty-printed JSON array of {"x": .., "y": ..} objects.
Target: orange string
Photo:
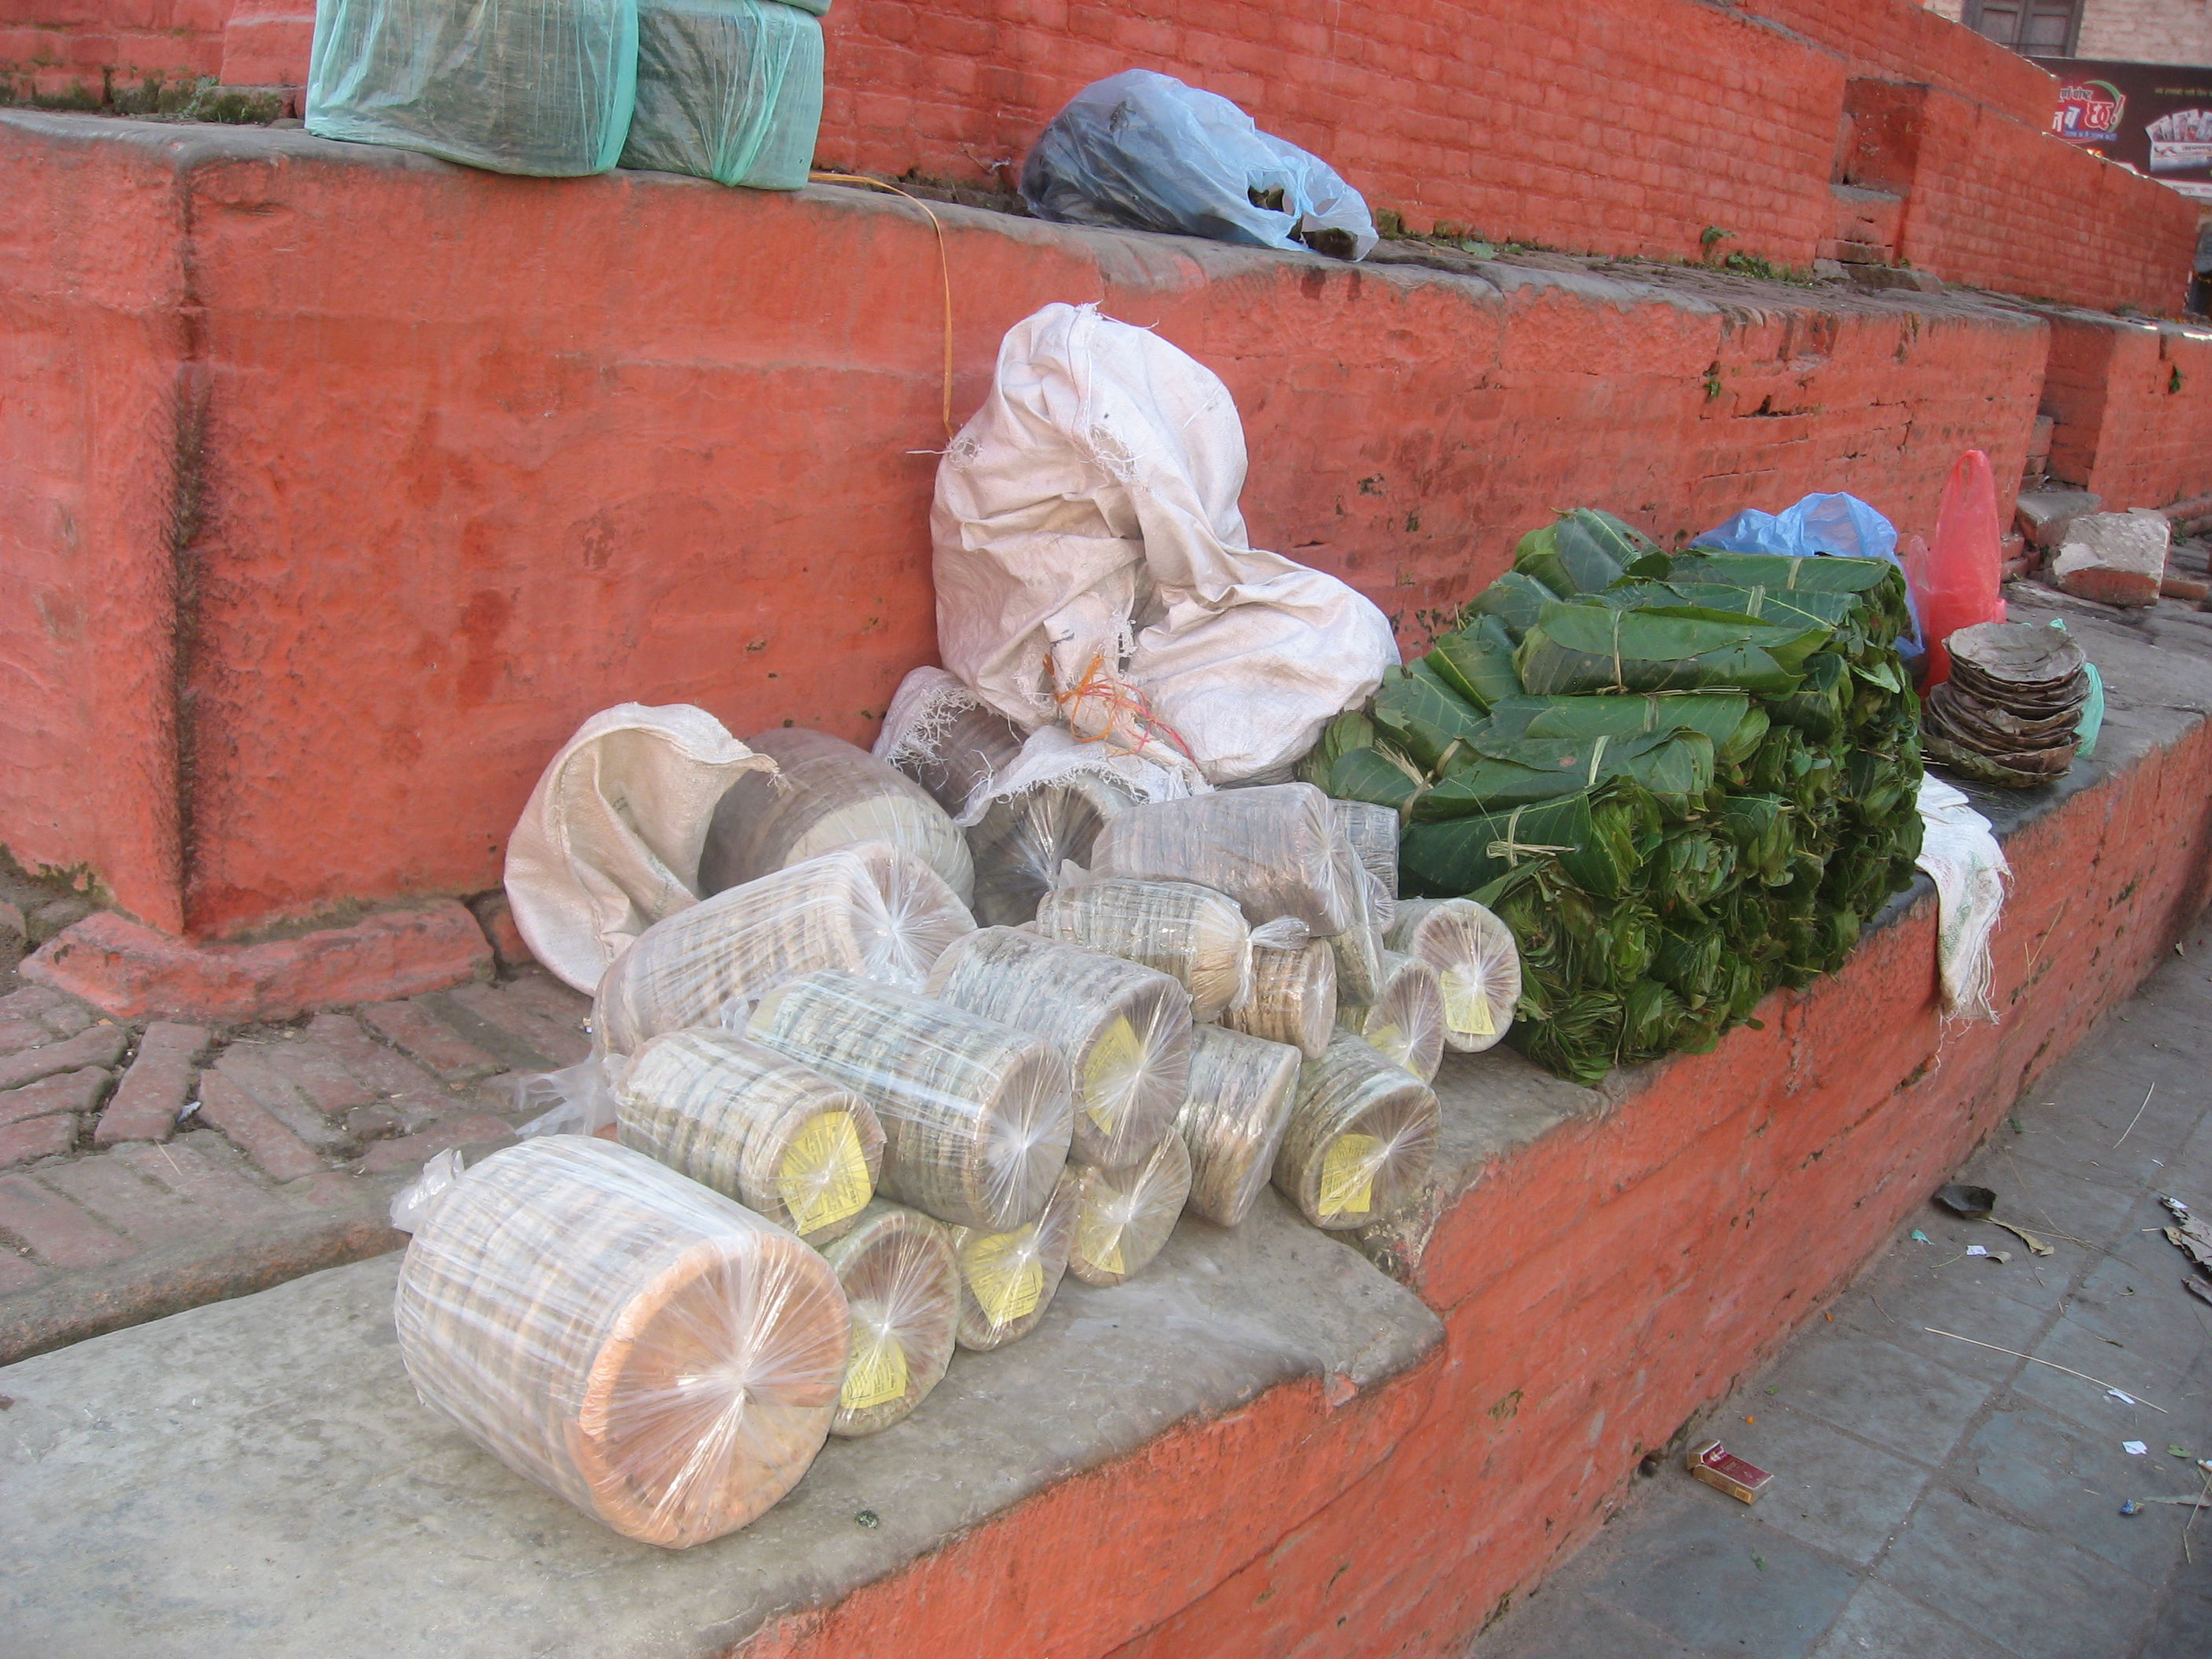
[
  {"x": 944, "y": 268},
  {"x": 1098, "y": 686}
]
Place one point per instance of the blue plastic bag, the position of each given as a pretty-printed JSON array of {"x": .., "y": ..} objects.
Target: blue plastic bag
[
  {"x": 1838, "y": 524},
  {"x": 1140, "y": 151}
]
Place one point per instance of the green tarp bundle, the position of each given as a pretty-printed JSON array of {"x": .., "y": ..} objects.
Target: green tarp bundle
[{"x": 1681, "y": 779}]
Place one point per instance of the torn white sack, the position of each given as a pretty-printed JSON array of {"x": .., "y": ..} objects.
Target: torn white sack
[{"x": 1958, "y": 850}]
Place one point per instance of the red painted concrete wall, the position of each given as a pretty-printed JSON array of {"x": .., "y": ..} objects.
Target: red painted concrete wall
[
  {"x": 2133, "y": 404},
  {"x": 486, "y": 454},
  {"x": 1598, "y": 1289},
  {"x": 96, "y": 402}
]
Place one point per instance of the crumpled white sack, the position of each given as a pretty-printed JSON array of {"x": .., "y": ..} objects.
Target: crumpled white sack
[
  {"x": 1959, "y": 852},
  {"x": 608, "y": 843},
  {"x": 1087, "y": 518}
]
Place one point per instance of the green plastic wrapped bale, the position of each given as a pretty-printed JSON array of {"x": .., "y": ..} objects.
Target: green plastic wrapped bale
[
  {"x": 1730, "y": 720},
  {"x": 1517, "y": 599},
  {"x": 1477, "y": 662},
  {"x": 729, "y": 90},
  {"x": 1418, "y": 714},
  {"x": 1676, "y": 768},
  {"x": 1596, "y": 836},
  {"x": 1581, "y": 551},
  {"x": 543, "y": 87},
  {"x": 1591, "y": 647}
]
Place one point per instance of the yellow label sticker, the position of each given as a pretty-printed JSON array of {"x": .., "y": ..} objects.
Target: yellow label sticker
[
  {"x": 1099, "y": 1240},
  {"x": 825, "y": 1174},
  {"x": 877, "y": 1375},
  {"x": 1005, "y": 1275},
  {"x": 1466, "y": 1010},
  {"x": 1109, "y": 1071},
  {"x": 1347, "y": 1175},
  {"x": 1387, "y": 1041}
]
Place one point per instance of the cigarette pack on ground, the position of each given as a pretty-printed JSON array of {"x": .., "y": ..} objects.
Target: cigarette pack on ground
[{"x": 1716, "y": 1466}]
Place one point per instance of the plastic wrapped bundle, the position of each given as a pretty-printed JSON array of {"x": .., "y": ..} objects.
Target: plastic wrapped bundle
[
  {"x": 1124, "y": 1027},
  {"x": 1124, "y": 1215},
  {"x": 1293, "y": 998},
  {"x": 1241, "y": 1090},
  {"x": 729, "y": 90},
  {"x": 975, "y": 1113},
  {"x": 903, "y": 1286},
  {"x": 537, "y": 87},
  {"x": 1272, "y": 849},
  {"x": 1008, "y": 1279},
  {"x": 1194, "y": 935},
  {"x": 1477, "y": 966},
  {"x": 826, "y": 794},
  {"x": 1405, "y": 1023},
  {"x": 663, "y": 1358},
  {"x": 1358, "y": 948},
  {"x": 755, "y": 1125},
  {"x": 937, "y": 734},
  {"x": 1020, "y": 843},
  {"x": 870, "y": 909},
  {"x": 1361, "y": 1134},
  {"x": 1372, "y": 831}
]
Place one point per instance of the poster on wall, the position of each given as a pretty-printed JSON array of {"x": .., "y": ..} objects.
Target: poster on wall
[{"x": 2156, "y": 118}]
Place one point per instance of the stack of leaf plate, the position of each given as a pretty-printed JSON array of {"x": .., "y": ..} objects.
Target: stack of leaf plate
[{"x": 2009, "y": 714}]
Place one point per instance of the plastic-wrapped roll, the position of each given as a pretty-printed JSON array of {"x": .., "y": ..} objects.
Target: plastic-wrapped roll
[
  {"x": 1124, "y": 1027},
  {"x": 974, "y": 1114},
  {"x": 1477, "y": 963},
  {"x": 755, "y": 1125},
  {"x": 1241, "y": 1090},
  {"x": 903, "y": 1286},
  {"x": 1405, "y": 1023},
  {"x": 1007, "y": 1280},
  {"x": 870, "y": 909},
  {"x": 825, "y": 794},
  {"x": 1020, "y": 843},
  {"x": 1373, "y": 833},
  {"x": 1362, "y": 1132},
  {"x": 663, "y": 1358},
  {"x": 1272, "y": 849},
  {"x": 1293, "y": 998},
  {"x": 1194, "y": 935},
  {"x": 1358, "y": 948},
  {"x": 1124, "y": 1215}
]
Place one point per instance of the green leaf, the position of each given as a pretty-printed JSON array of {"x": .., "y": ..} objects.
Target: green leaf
[
  {"x": 1477, "y": 662},
  {"x": 1422, "y": 716},
  {"x": 1516, "y": 598},
  {"x": 1590, "y": 648},
  {"x": 1381, "y": 776}
]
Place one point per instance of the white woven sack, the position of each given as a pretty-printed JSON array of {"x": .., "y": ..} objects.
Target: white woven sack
[
  {"x": 609, "y": 843},
  {"x": 1086, "y": 528}
]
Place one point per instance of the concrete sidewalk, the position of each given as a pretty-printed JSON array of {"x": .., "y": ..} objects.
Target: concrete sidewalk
[{"x": 1939, "y": 1500}]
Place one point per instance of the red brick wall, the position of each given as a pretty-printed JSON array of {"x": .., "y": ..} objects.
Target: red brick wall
[
  {"x": 640, "y": 437},
  {"x": 2133, "y": 403},
  {"x": 1904, "y": 40},
  {"x": 2004, "y": 206},
  {"x": 57, "y": 45}
]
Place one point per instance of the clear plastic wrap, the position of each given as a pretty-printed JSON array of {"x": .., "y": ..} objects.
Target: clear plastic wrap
[
  {"x": 903, "y": 1285},
  {"x": 729, "y": 90},
  {"x": 1240, "y": 1090},
  {"x": 825, "y": 794},
  {"x": 1373, "y": 833},
  {"x": 1405, "y": 1023},
  {"x": 1272, "y": 849},
  {"x": 755, "y": 1125},
  {"x": 1020, "y": 842},
  {"x": 1124, "y": 1215},
  {"x": 1477, "y": 966},
  {"x": 870, "y": 909},
  {"x": 1358, "y": 948},
  {"x": 975, "y": 1114},
  {"x": 542, "y": 87},
  {"x": 1007, "y": 1280},
  {"x": 663, "y": 1358},
  {"x": 1293, "y": 998},
  {"x": 1194, "y": 935},
  {"x": 938, "y": 735},
  {"x": 1361, "y": 1134},
  {"x": 1125, "y": 1030}
]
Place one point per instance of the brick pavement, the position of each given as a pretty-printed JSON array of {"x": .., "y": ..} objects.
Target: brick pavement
[
  {"x": 147, "y": 1167},
  {"x": 1947, "y": 1501}
]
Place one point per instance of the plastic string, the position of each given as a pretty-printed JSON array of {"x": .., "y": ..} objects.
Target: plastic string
[
  {"x": 944, "y": 267},
  {"x": 1099, "y": 685}
]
